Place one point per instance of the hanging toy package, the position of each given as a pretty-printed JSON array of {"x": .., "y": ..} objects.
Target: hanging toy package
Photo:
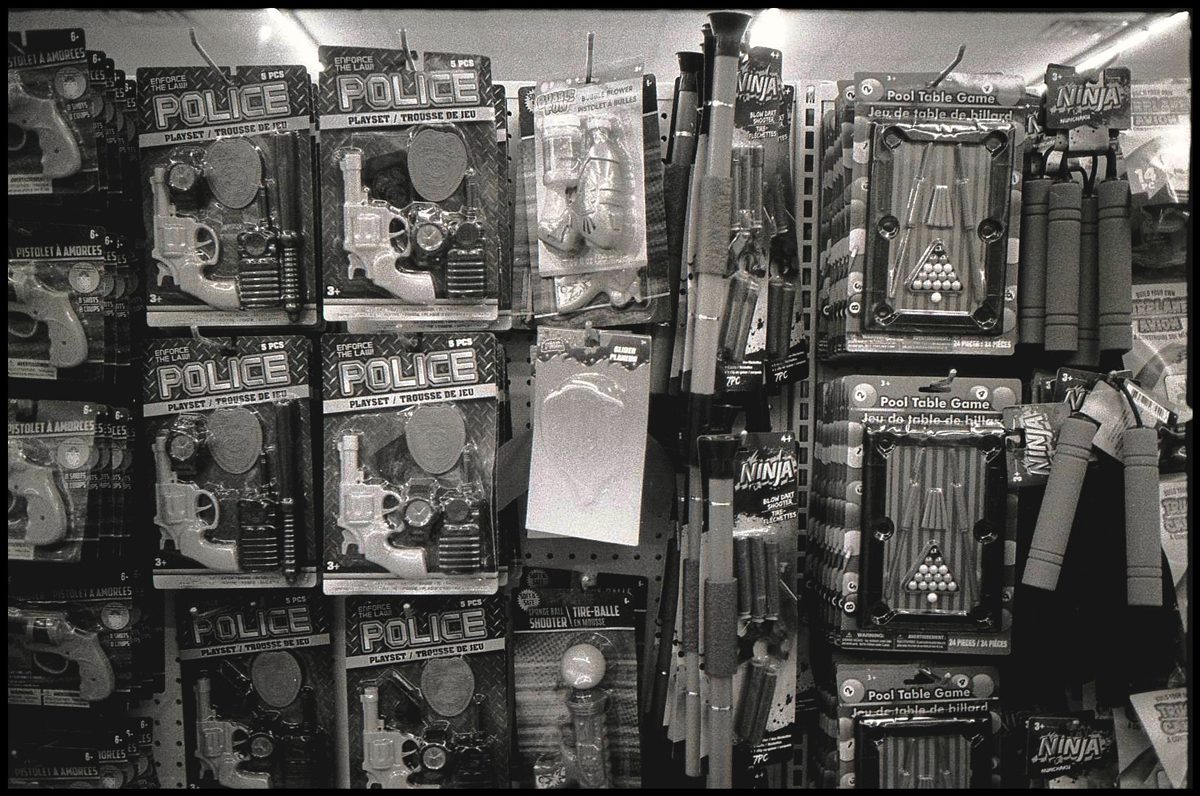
[
  {"x": 410, "y": 443},
  {"x": 226, "y": 169},
  {"x": 590, "y": 408},
  {"x": 410, "y": 186},
  {"x": 597, "y": 225},
  {"x": 427, "y": 692},
  {"x": 51, "y": 143},
  {"x": 917, "y": 725},
  {"x": 934, "y": 214},
  {"x": 575, "y": 676},
  {"x": 228, "y": 424},
  {"x": 258, "y": 699}
]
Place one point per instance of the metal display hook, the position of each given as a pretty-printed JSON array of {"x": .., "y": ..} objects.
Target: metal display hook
[
  {"x": 409, "y": 62},
  {"x": 937, "y": 81},
  {"x": 208, "y": 58}
]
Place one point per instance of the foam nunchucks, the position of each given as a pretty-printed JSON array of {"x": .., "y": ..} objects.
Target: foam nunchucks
[
  {"x": 1116, "y": 266},
  {"x": 1088, "y": 353},
  {"x": 1143, "y": 560},
  {"x": 1032, "y": 293},
  {"x": 1053, "y": 529},
  {"x": 1062, "y": 267}
]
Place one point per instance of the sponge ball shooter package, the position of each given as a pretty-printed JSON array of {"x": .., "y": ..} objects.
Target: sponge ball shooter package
[
  {"x": 228, "y": 424},
  {"x": 257, "y": 677},
  {"x": 575, "y": 688},
  {"x": 427, "y": 692},
  {"x": 410, "y": 443},
  {"x": 226, "y": 165}
]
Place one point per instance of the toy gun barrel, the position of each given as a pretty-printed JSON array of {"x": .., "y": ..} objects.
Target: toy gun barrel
[
  {"x": 158, "y": 186},
  {"x": 348, "y": 449},
  {"x": 204, "y": 710},
  {"x": 1062, "y": 254},
  {"x": 162, "y": 462},
  {"x": 370, "y": 709},
  {"x": 1116, "y": 266},
  {"x": 1143, "y": 561},
  {"x": 352, "y": 186},
  {"x": 1035, "y": 207},
  {"x": 1053, "y": 528}
]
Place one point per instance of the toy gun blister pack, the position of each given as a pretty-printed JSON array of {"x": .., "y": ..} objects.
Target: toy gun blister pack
[
  {"x": 115, "y": 753},
  {"x": 59, "y": 278},
  {"x": 912, "y": 513},
  {"x": 83, "y": 646},
  {"x": 257, "y": 677},
  {"x": 228, "y": 424},
  {"x": 226, "y": 171},
  {"x": 427, "y": 692},
  {"x": 410, "y": 442},
  {"x": 410, "y": 180},
  {"x": 596, "y": 221},
  {"x": 52, "y": 144},
  {"x": 913, "y": 725},
  {"x": 575, "y": 689},
  {"x": 54, "y": 455}
]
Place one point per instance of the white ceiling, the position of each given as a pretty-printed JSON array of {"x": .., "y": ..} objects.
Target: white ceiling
[{"x": 526, "y": 45}]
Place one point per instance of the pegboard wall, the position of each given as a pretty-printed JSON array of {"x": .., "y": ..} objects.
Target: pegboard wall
[{"x": 791, "y": 408}]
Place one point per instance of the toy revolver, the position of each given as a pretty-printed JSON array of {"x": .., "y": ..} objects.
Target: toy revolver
[
  {"x": 215, "y": 744},
  {"x": 181, "y": 504},
  {"x": 185, "y": 247},
  {"x": 68, "y": 341},
  {"x": 51, "y": 632},
  {"x": 368, "y": 238},
  {"x": 44, "y": 506},
  {"x": 60, "y": 151},
  {"x": 390, "y": 757}
]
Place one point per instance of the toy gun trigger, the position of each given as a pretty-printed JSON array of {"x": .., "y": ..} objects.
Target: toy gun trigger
[
  {"x": 207, "y": 245},
  {"x": 404, "y": 247},
  {"x": 207, "y": 502}
]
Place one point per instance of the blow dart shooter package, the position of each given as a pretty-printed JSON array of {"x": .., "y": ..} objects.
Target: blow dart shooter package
[
  {"x": 913, "y": 522},
  {"x": 930, "y": 256},
  {"x": 427, "y": 692},
  {"x": 52, "y": 145},
  {"x": 228, "y": 422},
  {"x": 761, "y": 336},
  {"x": 916, "y": 725},
  {"x": 258, "y": 695},
  {"x": 411, "y": 188},
  {"x": 411, "y": 426},
  {"x": 597, "y": 223},
  {"x": 575, "y": 684},
  {"x": 226, "y": 171}
]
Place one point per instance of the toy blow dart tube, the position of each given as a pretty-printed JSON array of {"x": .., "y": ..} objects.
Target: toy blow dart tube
[
  {"x": 681, "y": 149},
  {"x": 666, "y": 653},
  {"x": 1035, "y": 207},
  {"x": 717, "y": 457},
  {"x": 1116, "y": 266},
  {"x": 693, "y": 209},
  {"x": 1143, "y": 561},
  {"x": 713, "y": 224},
  {"x": 1062, "y": 267},
  {"x": 1053, "y": 529},
  {"x": 1088, "y": 352}
]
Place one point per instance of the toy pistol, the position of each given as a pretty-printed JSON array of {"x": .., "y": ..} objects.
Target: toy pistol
[
  {"x": 214, "y": 744},
  {"x": 60, "y": 151},
  {"x": 180, "y": 506},
  {"x": 51, "y": 632},
  {"x": 44, "y": 507},
  {"x": 385, "y": 751},
  {"x": 362, "y": 513},
  {"x": 68, "y": 341},
  {"x": 368, "y": 238},
  {"x": 185, "y": 247}
]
